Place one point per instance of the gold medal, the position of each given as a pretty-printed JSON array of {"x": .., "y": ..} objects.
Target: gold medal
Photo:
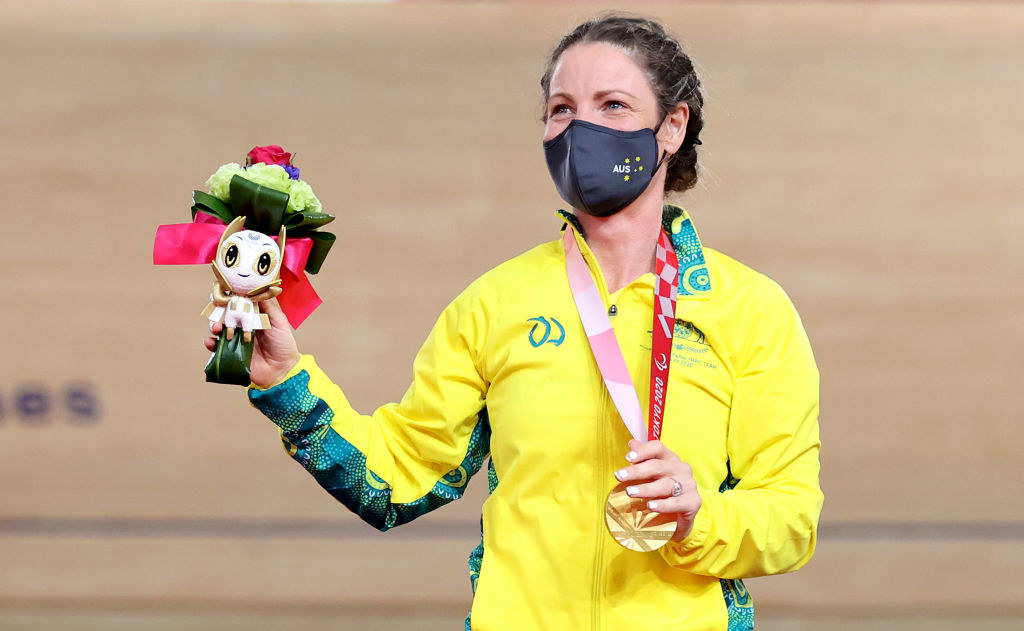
[{"x": 635, "y": 526}]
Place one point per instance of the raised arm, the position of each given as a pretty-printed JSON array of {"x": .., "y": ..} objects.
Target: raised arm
[{"x": 406, "y": 458}]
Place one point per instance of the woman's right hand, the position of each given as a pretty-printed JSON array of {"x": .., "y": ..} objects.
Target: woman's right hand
[{"x": 275, "y": 351}]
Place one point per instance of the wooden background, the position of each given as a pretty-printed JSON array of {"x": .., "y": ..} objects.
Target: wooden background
[{"x": 865, "y": 155}]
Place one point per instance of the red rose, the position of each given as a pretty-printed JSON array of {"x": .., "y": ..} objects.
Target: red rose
[{"x": 271, "y": 154}]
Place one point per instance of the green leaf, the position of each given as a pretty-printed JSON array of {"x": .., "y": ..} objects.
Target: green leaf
[
  {"x": 262, "y": 206},
  {"x": 301, "y": 221},
  {"x": 211, "y": 206},
  {"x": 322, "y": 242}
]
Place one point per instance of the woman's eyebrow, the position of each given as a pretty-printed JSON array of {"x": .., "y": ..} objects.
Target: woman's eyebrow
[
  {"x": 600, "y": 94},
  {"x": 603, "y": 93}
]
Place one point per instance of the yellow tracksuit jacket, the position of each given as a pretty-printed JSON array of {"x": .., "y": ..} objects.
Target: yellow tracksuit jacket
[{"x": 507, "y": 372}]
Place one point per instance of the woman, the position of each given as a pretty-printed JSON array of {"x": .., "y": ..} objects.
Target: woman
[{"x": 508, "y": 371}]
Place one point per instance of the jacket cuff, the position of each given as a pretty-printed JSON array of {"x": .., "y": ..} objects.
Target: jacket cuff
[{"x": 290, "y": 404}]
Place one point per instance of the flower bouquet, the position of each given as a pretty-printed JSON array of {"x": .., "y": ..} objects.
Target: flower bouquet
[{"x": 259, "y": 229}]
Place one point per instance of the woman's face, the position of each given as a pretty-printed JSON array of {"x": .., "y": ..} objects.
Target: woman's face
[{"x": 599, "y": 83}]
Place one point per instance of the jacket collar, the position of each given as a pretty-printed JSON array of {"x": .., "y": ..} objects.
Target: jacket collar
[{"x": 694, "y": 279}]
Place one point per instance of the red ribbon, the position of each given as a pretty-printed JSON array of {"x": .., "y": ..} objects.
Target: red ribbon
[
  {"x": 196, "y": 243},
  {"x": 666, "y": 269}
]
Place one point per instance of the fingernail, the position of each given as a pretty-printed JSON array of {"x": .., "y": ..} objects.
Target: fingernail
[
  {"x": 621, "y": 474},
  {"x": 630, "y": 490},
  {"x": 631, "y": 456},
  {"x": 652, "y": 505}
]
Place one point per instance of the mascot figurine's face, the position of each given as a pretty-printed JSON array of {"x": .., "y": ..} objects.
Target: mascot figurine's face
[{"x": 248, "y": 260}]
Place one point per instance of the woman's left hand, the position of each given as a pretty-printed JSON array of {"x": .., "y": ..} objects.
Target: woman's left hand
[{"x": 655, "y": 471}]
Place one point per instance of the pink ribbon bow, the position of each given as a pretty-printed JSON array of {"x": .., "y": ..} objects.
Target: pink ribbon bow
[{"x": 196, "y": 243}]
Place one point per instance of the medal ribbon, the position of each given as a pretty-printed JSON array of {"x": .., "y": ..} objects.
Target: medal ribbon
[{"x": 605, "y": 345}]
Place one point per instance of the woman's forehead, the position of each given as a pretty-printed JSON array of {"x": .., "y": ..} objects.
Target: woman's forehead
[{"x": 595, "y": 67}]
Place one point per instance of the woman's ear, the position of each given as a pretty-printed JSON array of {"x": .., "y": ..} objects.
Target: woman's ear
[{"x": 673, "y": 128}]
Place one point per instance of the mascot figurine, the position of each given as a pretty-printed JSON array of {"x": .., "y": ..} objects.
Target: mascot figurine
[{"x": 248, "y": 270}]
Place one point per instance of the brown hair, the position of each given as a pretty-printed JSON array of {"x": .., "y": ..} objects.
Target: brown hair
[{"x": 669, "y": 71}]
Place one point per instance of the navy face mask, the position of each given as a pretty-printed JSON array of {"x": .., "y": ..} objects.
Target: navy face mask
[{"x": 600, "y": 170}]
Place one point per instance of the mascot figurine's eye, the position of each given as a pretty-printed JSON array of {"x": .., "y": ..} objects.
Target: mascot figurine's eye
[
  {"x": 231, "y": 255},
  {"x": 263, "y": 264}
]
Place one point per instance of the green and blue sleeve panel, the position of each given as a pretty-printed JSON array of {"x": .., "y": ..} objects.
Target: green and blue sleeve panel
[{"x": 335, "y": 444}]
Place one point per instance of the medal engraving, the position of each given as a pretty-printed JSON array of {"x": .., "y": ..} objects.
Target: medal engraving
[{"x": 633, "y": 525}]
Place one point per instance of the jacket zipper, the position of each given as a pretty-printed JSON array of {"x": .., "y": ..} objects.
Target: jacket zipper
[
  {"x": 606, "y": 416},
  {"x": 602, "y": 474},
  {"x": 597, "y": 588}
]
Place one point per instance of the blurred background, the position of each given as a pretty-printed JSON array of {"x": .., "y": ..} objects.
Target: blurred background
[{"x": 865, "y": 155}]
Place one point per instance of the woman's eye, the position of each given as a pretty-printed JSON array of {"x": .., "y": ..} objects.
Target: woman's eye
[
  {"x": 616, "y": 105},
  {"x": 263, "y": 263},
  {"x": 231, "y": 255},
  {"x": 559, "y": 109}
]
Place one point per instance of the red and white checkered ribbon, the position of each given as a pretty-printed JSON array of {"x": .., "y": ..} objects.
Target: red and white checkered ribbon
[{"x": 605, "y": 345}]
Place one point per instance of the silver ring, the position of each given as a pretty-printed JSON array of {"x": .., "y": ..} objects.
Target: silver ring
[{"x": 677, "y": 488}]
